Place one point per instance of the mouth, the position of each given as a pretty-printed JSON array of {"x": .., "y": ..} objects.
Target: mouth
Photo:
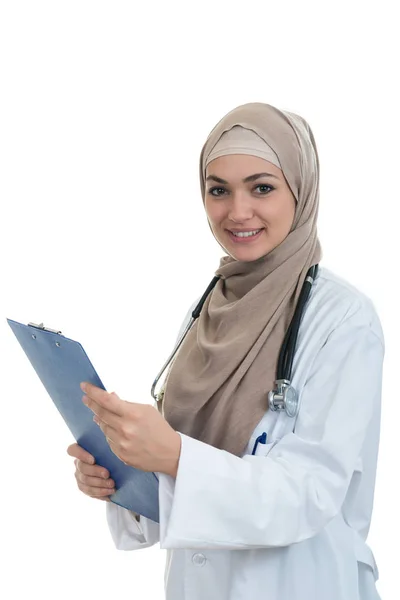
[{"x": 245, "y": 236}]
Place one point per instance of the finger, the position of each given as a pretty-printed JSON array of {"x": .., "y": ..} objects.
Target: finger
[
  {"x": 110, "y": 432},
  {"x": 79, "y": 452},
  {"x": 104, "y": 414},
  {"x": 96, "y": 482},
  {"x": 106, "y": 418},
  {"x": 95, "y": 492},
  {"x": 116, "y": 450},
  {"x": 92, "y": 470},
  {"x": 111, "y": 402}
]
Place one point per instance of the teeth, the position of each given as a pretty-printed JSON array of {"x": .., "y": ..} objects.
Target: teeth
[{"x": 246, "y": 233}]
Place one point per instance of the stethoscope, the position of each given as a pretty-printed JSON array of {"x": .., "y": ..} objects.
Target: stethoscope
[{"x": 284, "y": 397}]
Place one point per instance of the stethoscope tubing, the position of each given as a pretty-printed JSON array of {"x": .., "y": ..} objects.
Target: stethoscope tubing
[
  {"x": 286, "y": 354},
  {"x": 195, "y": 314},
  {"x": 287, "y": 351}
]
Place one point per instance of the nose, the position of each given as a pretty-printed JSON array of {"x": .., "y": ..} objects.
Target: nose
[{"x": 241, "y": 208}]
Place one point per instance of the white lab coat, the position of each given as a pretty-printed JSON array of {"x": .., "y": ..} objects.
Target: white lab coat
[{"x": 290, "y": 522}]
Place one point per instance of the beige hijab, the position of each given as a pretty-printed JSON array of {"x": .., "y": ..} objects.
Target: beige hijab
[{"x": 217, "y": 387}]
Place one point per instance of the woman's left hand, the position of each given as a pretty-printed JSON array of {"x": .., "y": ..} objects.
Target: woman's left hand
[{"x": 137, "y": 433}]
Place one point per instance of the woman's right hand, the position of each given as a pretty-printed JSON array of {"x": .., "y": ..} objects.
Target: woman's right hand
[{"x": 92, "y": 480}]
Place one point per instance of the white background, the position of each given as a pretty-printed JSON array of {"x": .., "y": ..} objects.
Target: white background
[{"x": 104, "y": 108}]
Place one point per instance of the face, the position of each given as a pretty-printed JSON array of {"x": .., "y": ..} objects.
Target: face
[{"x": 247, "y": 194}]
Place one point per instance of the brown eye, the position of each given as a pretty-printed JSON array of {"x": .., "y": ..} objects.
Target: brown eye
[
  {"x": 264, "y": 185},
  {"x": 214, "y": 189}
]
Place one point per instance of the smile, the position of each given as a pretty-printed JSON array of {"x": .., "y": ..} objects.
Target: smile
[{"x": 245, "y": 237}]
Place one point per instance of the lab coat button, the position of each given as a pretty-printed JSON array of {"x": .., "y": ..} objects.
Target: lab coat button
[{"x": 199, "y": 560}]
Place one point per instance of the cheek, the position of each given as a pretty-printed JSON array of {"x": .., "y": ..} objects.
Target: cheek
[
  {"x": 291, "y": 211},
  {"x": 214, "y": 212},
  {"x": 281, "y": 214}
]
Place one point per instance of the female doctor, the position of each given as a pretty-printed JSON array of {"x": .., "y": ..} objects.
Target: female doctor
[{"x": 258, "y": 496}]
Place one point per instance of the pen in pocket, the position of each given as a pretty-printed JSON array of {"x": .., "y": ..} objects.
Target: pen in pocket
[{"x": 262, "y": 439}]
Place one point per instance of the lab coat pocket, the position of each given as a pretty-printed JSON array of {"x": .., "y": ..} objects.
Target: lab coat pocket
[{"x": 264, "y": 449}]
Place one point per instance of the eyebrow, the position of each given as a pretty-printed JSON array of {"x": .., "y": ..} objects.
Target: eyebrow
[{"x": 245, "y": 180}]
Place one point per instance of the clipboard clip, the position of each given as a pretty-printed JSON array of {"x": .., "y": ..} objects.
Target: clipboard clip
[{"x": 41, "y": 326}]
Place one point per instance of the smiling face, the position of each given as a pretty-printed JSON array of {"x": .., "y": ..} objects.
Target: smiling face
[{"x": 246, "y": 194}]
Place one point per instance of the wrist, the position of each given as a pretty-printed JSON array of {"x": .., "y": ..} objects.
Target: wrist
[{"x": 176, "y": 452}]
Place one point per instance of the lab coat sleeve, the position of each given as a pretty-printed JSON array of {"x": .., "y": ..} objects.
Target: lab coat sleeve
[
  {"x": 221, "y": 501},
  {"x": 126, "y": 532}
]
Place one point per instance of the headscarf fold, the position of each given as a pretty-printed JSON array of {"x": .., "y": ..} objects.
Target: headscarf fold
[{"x": 217, "y": 387}]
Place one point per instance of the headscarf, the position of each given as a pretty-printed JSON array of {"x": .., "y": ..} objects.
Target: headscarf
[{"x": 217, "y": 387}]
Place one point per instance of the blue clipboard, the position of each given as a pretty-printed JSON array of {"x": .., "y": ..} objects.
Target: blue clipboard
[{"x": 62, "y": 364}]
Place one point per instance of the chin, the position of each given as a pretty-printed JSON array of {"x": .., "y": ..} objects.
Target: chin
[
  {"x": 250, "y": 257},
  {"x": 248, "y": 254}
]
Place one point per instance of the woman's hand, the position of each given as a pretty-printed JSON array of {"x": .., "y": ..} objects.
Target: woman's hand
[
  {"x": 137, "y": 433},
  {"x": 92, "y": 480}
]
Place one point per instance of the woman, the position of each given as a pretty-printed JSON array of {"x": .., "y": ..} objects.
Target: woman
[{"x": 253, "y": 500}]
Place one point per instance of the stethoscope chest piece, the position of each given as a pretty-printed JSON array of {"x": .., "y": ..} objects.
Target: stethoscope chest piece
[{"x": 284, "y": 398}]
